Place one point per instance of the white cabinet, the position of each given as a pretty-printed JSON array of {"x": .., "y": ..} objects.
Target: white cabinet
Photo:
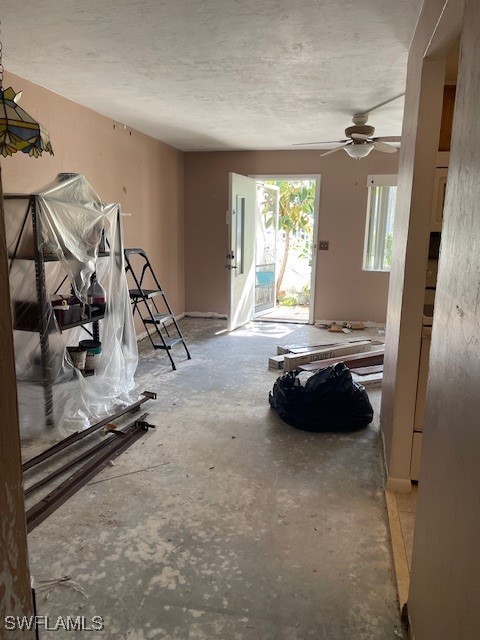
[{"x": 438, "y": 204}]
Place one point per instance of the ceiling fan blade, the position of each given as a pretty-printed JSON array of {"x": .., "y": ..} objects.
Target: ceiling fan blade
[
  {"x": 360, "y": 136},
  {"x": 333, "y": 150},
  {"x": 385, "y": 148},
  {"x": 304, "y": 144},
  {"x": 388, "y": 139},
  {"x": 382, "y": 104}
]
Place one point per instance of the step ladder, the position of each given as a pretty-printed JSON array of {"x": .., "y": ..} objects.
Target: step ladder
[{"x": 143, "y": 301}]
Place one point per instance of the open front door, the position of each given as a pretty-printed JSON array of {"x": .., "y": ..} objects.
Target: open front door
[{"x": 241, "y": 254}]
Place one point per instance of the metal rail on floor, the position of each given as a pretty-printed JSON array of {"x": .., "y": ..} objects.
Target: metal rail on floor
[
  {"x": 116, "y": 445},
  {"x": 71, "y": 463},
  {"x": 78, "y": 435}
]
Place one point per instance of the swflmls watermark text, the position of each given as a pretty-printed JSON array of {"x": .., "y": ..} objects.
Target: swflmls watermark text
[{"x": 64, "y": 623}]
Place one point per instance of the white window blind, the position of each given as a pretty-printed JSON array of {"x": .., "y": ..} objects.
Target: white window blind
[{"x": 382, "y": 194}]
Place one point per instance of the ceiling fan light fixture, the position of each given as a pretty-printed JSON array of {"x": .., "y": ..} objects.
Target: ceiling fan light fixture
[{"x": 359, "y": 151}]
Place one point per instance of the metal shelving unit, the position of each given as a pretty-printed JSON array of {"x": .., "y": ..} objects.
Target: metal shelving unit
[{"x": 47, "y": 323}]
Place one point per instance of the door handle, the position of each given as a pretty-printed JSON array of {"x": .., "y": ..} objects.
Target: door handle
[{"x": 230, "y": 266}]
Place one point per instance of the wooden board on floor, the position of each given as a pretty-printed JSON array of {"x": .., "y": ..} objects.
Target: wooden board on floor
[
  {"x": 305, "y": 348},
  {"x": 359, "y": 359},
  {"x": 372, "y": 380},
  {"x": 276, "y": 363},
  {"x": 295, "y": 361},
  {"x": 365, "y": 371},
  {"x": 301, "y": 348}
]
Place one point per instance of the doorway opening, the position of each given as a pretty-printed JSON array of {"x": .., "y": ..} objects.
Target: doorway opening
[{"x": 285, "y": 247}]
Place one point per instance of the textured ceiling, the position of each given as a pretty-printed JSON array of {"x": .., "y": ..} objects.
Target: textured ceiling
[{"x": 219, "y": 74}]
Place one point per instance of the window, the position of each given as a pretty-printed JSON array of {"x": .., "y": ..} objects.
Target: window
[{"x": 382, "y": 195}]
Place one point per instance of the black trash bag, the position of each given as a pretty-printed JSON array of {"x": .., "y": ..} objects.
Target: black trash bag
[{"x": 329, "y": 401}]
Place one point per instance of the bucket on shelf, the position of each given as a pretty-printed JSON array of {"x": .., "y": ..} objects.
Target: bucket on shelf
[
  {"x": 78, "y": 356},
  {"x": 93, "y": 353}
]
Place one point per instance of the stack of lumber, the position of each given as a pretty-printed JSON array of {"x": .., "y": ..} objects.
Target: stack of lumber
[{"x": 363, "y": 357}]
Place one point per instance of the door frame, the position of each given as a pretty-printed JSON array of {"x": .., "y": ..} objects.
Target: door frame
[
  {"x": 316, "y": 210},
  {"x": 232, "y": 249},
  {"x": 259, "y": 314}
]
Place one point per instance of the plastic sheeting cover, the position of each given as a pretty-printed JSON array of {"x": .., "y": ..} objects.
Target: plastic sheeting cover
[{"x": 73, "y": 227}]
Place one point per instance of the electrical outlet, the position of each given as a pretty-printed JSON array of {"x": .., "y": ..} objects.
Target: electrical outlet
[{"x": 323, "y": 245}]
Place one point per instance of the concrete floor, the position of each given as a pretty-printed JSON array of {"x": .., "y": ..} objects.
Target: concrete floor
[
  {"x": 280, "y": 313},
  {"x": 225, "y": 522}
]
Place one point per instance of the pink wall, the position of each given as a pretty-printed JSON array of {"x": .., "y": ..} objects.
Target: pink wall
[
  {"x": 148, "y": 178},
  {"x": 344, "y": 291},
  {"x": 144, "y": 175}
]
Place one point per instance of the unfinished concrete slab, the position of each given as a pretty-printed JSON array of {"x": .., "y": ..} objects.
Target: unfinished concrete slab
[{"x": 225, "y": 522}]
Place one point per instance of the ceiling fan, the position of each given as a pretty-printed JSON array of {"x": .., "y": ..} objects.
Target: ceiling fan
[{"x": 360, "y": 140}]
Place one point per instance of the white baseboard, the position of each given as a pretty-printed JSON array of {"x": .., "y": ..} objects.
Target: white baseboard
[
  {"x": 144, "y": 334},
  {"x": 206, "y": 314},
  {"x": 400, "y": 485}
]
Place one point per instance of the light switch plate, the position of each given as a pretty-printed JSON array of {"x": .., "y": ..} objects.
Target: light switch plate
[{"x": 323, "y": 245}]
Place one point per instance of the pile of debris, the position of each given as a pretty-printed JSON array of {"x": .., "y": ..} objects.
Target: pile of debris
[
  {"x": 343, "y": 327},
  {"x": 363, "y": 357}
]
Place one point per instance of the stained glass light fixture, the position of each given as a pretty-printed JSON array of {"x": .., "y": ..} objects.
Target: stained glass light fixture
[{"x": 18, "y": 130}]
